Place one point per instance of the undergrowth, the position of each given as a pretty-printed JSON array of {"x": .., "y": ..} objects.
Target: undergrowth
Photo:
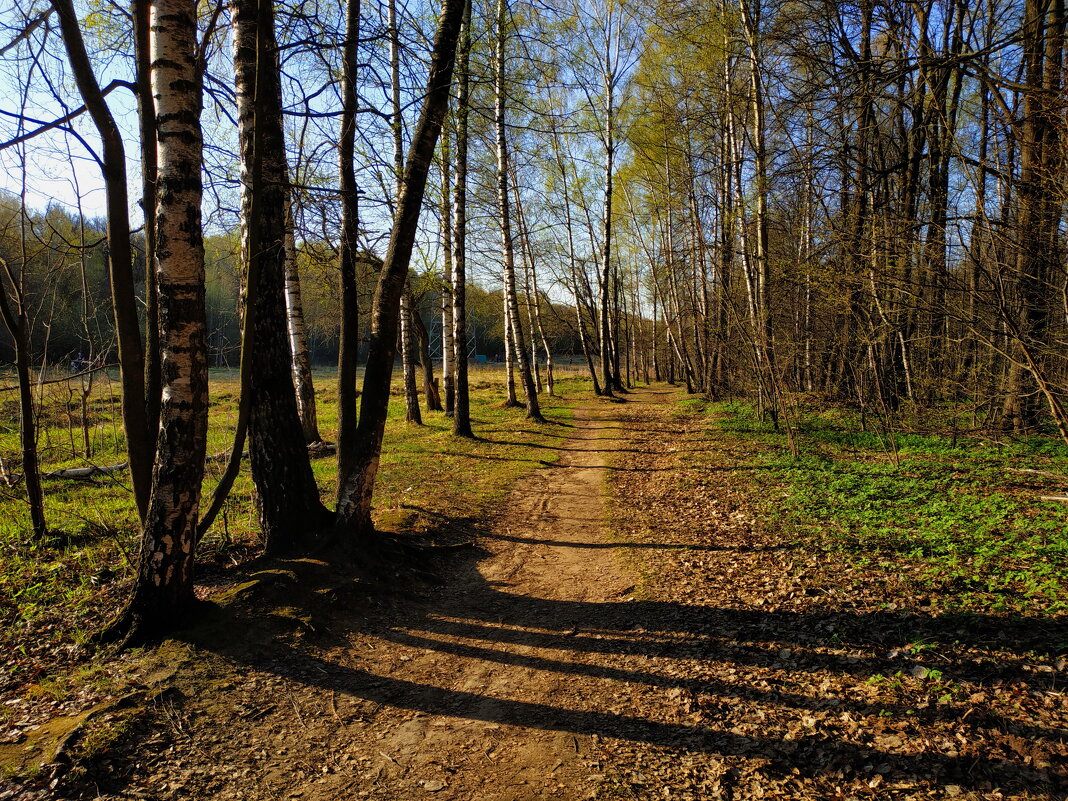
[{"x": 960, "y": 513}]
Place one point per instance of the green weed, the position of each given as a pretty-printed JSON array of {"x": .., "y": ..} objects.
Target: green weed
[{"x": 946, "y": 506}]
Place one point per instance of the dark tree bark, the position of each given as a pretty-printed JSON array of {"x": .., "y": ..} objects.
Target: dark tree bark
[
  {"x": 17, "y": 323},
  {"x": 461, "y": 420},
  {"x": 349, "y": 344},
  {"x": 430, "y": 386},
  {"x": 120, "y": 258},
  {"x": 1037, "y": 240},
  {"x": 146, "y": 116},
  {"x": 407, "y": 345},
  {"x": 354, "y": 506},
  {"x": 291, "y": 512}
]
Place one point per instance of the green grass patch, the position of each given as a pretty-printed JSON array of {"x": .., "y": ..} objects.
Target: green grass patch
[{"x": 948, "y": 507}]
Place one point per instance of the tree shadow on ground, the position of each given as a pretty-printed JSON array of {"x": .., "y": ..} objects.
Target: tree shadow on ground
[{"x": 657, "y": 645}]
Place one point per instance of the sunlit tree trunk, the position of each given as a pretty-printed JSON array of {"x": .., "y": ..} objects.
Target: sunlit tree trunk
[
  {"x": 163, "y": 589},
  {"x": 447, "y": 355},
  {"x": 511, "y": 301},
  {"x": 298, "y": 338},
  {"x": 572, "y": 260}
]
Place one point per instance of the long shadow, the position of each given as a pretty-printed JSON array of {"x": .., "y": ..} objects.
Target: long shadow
[
  {"x": 663, "y": 645},
  {"x": 654, "y": 644},
  {"x": 664, "y": 631},
  {"x": 654, "y": 546},
  {"x": 591, "y": 450},
  {"x": 807, "y": 755}
]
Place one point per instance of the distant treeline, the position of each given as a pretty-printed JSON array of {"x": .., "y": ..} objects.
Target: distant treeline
[{"x": 64, "y": 272}]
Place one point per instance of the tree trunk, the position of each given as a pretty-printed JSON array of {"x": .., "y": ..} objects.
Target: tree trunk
[
  {"x": 584, "y": 343},
  {"x": 504, "y": 207},
  {"x": 354, "y": 504},
  {"x": 146, "y": 115},
  {"x": 447, "y": 355},
  {"x": 298, "y": 338},
  {"x": 605, "y": 334},
  {"x": 537, "y": 330},
  {"x": 17, "y": 323},
  {"x": 407, "y": 338},
  {"x": 407, "y": 345},
  {"x": 1037, "y": 246},
  {"x": 510, "y": 398},
  {"x": 430, "y": 385},
  {"x": 163, "y": 589},
  {"x": 349, "y": 338},
  {"x": 123, "y": 296},
  {"x": 461, "y": 419},
  {"x": 291, "y": 512}
]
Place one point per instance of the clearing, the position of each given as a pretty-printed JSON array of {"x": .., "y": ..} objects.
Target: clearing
[{"x": 626, "y": 626}]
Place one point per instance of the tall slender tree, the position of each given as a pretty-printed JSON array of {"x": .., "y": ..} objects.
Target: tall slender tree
[
  {"x": 354, "y": 506},
  {"x": 514, "y": 322},
  {"x": 290, "y": 509},
  {"x": 461, "y": 419},
  {"x": 163, "y": 590}
]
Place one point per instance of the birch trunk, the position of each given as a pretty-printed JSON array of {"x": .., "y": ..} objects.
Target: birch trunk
[
  {"x": 163, "y": 589},
  {"x": 510, "y": 398},
  {"x": 298, "y": 338},
  {"x": 537, "y": 330},
  {"x": 447, "y": 355},
  {"x": 504, "y": 206}
]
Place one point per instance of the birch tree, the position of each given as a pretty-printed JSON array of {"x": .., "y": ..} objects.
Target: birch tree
[{"x": 163, "y": 590}]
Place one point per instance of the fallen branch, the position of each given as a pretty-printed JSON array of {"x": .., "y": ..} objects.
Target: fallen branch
[
  {"x": 64, "y": 378},
  {"x": 314, "y": 449},
  {"x": 82, "y": 473},
  {"x": 1041, "y": 473},
  {"x": 1063, "y": 498}
]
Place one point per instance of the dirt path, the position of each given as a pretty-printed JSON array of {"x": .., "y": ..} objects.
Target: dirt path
[{"x": 498, "y": 674}]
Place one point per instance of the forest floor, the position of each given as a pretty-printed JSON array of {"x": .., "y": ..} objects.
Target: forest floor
[{"x": 627, "y": 625}]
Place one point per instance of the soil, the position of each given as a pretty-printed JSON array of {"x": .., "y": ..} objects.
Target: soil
[{"x": 624, "y": 627}]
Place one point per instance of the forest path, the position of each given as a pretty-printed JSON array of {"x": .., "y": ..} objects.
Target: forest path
[
  {"x": 501, "y": 678},
  {"x": 504, "y": 682}
]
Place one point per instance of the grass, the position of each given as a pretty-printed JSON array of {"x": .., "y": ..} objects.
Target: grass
[
  {"x": 57, "y": 592},
  {"x": 947, "y": 509}
]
